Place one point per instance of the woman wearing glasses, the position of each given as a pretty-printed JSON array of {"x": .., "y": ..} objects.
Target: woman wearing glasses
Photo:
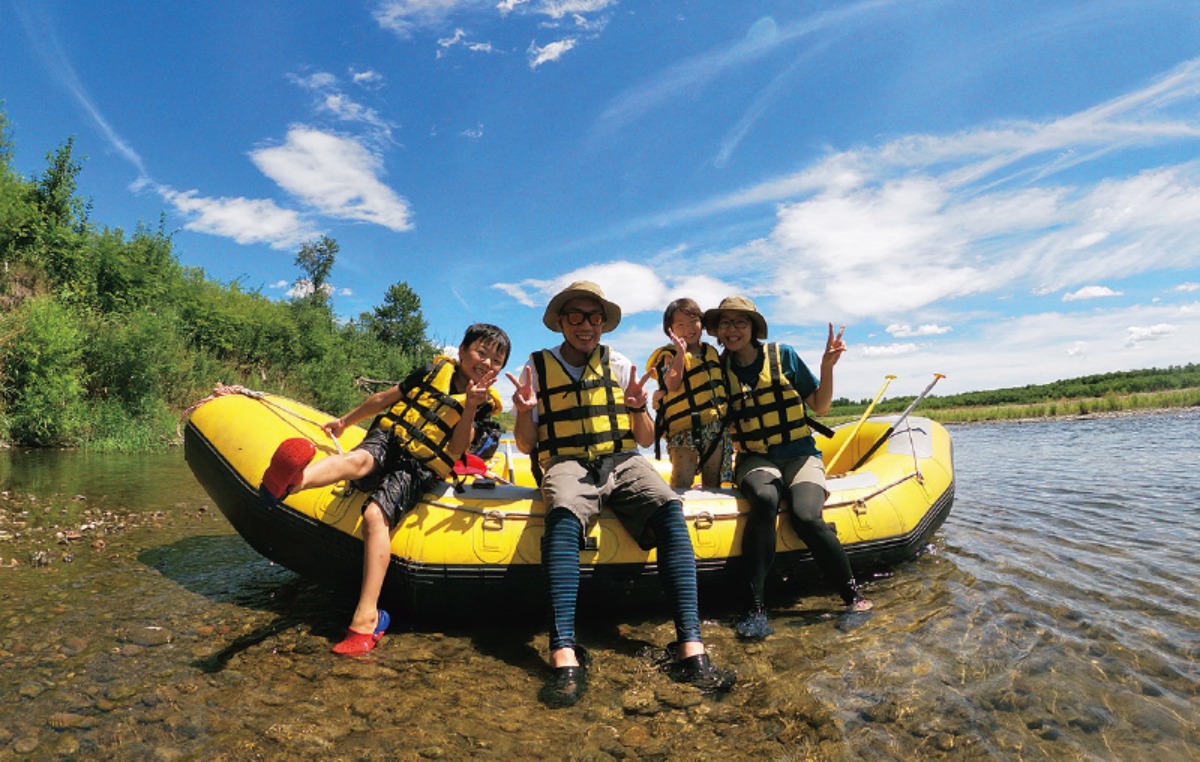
[{"x": 770, "y": 391}]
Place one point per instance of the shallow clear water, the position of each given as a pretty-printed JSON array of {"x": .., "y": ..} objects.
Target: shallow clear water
[{"x": 1055, "y": 617}]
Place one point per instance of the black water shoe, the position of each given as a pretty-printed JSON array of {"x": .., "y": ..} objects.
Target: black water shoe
[
  {"x": 753, "y": 625},
  {"x": 699, "y": 671},
  {"x": 566, "y": 685}
]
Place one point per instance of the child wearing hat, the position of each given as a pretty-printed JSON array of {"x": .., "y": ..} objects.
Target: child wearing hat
[
  {"x": 770, "y": 392},
  {"x": 581, "y": 410}
]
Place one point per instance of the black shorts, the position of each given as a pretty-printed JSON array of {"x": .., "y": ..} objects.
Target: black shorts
[{"x": 398, "y": 481}]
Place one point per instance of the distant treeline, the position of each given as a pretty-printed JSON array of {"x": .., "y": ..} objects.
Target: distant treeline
[
  {"x": 1103, "y": 385},
  {"x": 105, "y": 337}
]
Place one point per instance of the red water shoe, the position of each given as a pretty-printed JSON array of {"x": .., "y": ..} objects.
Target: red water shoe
[{"x": 287, "y": 466}]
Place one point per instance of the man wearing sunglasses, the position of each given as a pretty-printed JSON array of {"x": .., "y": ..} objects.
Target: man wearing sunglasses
[{"x": 581, "y": 407}]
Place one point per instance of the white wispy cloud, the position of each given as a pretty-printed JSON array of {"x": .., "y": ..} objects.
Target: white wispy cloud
[
  {"x": 460, "y": 38},
  {"x": 694, "y": 73},
  {"x": 888, "y": 350},
  {"x": 1090, "y": 292},
  {"x": 244, "y": 220},
  {"x": 881, "y": 231},
  {"x": 332, "y": 100},
  {"x": 907, "y": 331},
  {"x": 403, "y": 17},
  {"x": 1187, "y": 287},
  {"x": 40, "y": 33},
  {"x": 336, "y": 175},
  {"x": 539, "y": 55}
]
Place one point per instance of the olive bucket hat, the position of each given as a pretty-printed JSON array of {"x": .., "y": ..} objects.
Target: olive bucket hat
[
  {"x": 581, "y": 288},
  {"x": 736, "y": 304}
]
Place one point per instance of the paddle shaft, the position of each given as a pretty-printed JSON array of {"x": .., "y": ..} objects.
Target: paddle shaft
[
  {"x": 886, "y": 380},
  {"x": 936, "y": 377}
]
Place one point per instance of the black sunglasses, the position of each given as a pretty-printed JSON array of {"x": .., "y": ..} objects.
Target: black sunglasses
[{"x": 576, "y": 317}]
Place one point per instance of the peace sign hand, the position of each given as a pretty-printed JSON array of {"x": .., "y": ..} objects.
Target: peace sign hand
[
  {"x": 834, "y": 346},
  {"x": 635, "y": 393},
  {"x": 523, "y": 398},
  {"x": 477, "y": 391}
]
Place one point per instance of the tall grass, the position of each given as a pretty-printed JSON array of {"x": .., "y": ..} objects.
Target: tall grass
[{"x": 1109, "y": 403}]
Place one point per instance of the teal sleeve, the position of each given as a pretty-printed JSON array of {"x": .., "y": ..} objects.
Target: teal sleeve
[{"x": 796, "y": 372}]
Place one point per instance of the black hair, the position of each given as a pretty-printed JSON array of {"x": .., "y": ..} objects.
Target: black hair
[
  {"x": 684, "y": 305},
  {"x": 492, "y": 334}
]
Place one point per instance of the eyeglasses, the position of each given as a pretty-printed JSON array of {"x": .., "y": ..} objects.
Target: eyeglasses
[
  {"x": 576, "y": 317},
  {"x": 739, "y": 324}
]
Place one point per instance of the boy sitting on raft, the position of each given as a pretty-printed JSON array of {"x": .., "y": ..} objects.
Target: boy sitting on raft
[{"x": 424, "y": 425}]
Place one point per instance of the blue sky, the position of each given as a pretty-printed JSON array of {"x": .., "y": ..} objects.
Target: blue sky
[{"x": 1003, "y": 191}]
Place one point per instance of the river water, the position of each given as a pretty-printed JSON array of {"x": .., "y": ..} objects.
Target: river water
[{"x": 1056, "y": 616}]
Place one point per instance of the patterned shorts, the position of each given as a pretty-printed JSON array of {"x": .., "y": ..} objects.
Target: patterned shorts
[{"x": 398, "y": 481}]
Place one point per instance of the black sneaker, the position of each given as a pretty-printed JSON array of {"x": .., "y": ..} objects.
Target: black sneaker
[
  {"x": 699, "y": 671},
  {"x": 566, "y": 685}
]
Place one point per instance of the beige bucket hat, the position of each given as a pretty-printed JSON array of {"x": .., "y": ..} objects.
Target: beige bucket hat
[
  {"x": 581, "y": 288},
  {"x": 736, "y": 304}
]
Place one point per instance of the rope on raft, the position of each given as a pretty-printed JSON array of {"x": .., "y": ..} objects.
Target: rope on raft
[
  {"x": 223, "y": 390},
  {"x": 499, "y": 514}
]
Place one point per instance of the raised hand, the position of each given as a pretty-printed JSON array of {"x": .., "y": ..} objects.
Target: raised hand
[
  {"x": 477, "y": 391},
  {"x": 834, "y": 346},
  {"x": 523, "y": 398},
  {"x": 635, "y": 393},
  {"x": 680, "y": 344}
]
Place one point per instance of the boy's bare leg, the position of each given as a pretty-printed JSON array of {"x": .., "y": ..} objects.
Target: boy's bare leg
[
  {"x": 352, "y": 465},
  {"x": 377, "y": 550}
]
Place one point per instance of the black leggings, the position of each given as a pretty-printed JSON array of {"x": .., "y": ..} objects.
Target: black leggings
[{"x": 764, "y": 492}]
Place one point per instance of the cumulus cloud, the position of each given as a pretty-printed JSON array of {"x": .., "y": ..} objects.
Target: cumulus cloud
[
  {"x": 1090, "y": 292},
  {"x": 1136, "y": 335},
  {"x": 336, "y": 175},
  {"x": 245, "y": 220},
  {"x": 1187, "y": 287},
  {"x": 548, "y": 53},
  {"x": 636, "y": 287}
]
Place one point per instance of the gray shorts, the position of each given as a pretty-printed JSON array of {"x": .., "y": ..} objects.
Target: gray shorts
[
  {"x": 397, "y": 481},
  {"x": 626, "y": 483},
  {"x": 805, "y": 469}
]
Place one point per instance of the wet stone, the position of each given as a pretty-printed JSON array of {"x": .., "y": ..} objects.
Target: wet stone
[
  {"x": 31, "y": 690},
  {"x": 26, "y": 745},
  {"x": 148, "y": 636},
  {"x": 639, "y": 701},
  {"x": 679, "y": 696}
]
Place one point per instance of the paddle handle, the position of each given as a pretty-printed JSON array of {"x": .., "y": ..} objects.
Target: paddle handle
[{"x": 936, "y": 377}]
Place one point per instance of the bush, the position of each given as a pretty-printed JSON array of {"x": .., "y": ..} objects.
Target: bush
[{"x": 43, "y": 389}]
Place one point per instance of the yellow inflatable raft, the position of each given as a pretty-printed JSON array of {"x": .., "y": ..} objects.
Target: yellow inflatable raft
[{"x": 479, "y": 543}]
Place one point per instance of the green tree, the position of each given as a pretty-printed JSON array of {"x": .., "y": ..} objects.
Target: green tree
[
  {"x": 398, "y": 321},
  {"x": 316, "y": 259}
]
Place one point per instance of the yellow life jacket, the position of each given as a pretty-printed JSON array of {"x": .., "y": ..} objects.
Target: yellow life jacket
[
  {"x": 425, "y": 417},
  {"x": 700, "y": 399},
  {"x": 580, "y": 419},
  {"x": 769, "y": 412}
]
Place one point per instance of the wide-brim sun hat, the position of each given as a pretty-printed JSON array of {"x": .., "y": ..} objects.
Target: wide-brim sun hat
[
  {"x": 738, "y": 304},
  {"x": 581, "y": 288}
]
